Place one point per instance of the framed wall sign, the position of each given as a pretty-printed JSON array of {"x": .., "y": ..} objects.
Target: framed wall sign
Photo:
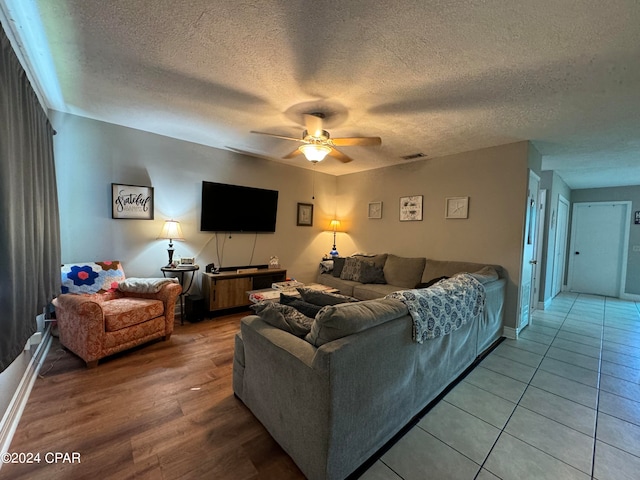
[
  {"x": 131, "y": 201},
  {"x": 375, "y": 210},
  {"x": 411, "y": 208},
  {"x": 305, "y": 215}
]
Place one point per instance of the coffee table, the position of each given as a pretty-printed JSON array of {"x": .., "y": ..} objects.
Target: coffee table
[{"x": 273, "y": 295}]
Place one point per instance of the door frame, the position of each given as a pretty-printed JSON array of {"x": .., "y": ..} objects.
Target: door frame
[
  {"x": 625, "y": 241},
  {"x": 529, "y": 237},
  {"x": 559, "y": 273}
]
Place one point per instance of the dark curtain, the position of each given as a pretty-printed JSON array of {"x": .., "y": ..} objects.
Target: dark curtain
[{"x": 29, "y": 221}]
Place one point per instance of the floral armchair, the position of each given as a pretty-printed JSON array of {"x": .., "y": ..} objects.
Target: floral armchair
[{"x": 100, "y": 312}]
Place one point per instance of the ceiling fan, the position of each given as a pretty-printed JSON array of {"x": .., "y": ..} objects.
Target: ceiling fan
[{"x": 317, "y": 143}]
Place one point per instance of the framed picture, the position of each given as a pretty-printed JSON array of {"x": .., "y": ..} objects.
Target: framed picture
[
  {"x": 131, "y": 201},
  {"x": 305, "y": 215},
  {"x": 375, "y": 210},
  {"x": 637, "y": 218},
  {"x": 411, "y": 208},
  {"x": 456, "y": 207}
]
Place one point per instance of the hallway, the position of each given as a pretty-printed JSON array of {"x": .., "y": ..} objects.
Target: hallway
[{"x": 562, "y": 401}]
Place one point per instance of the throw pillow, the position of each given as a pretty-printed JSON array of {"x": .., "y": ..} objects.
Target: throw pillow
[
  {"x": 370, "y": 273},
  {"x": 283, "y": 317},
  {"x": 308, "y": 309},
  {"x": 351, "y": 270},
  {"x": 321, "y": 298},
  {"x": 378, "y": 260},
  {"x": 338, "y": 265}
]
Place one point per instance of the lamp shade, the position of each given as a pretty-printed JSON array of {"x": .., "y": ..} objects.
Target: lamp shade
[
  {"x": 334, "y": 225},
  {"x": 171, "y": 230},
  {"x": 314, "y": 152}
]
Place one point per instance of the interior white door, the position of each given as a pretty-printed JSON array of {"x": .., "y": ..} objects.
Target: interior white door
[
  {"x": 560, "y": 248},
  {"x": 537, "y": 267},
  {"x": 528, "y": 251},
  {"x": 597, "y": 247}
]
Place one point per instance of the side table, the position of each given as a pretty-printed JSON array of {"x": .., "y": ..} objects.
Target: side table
[{"x": 181, "y": 271}]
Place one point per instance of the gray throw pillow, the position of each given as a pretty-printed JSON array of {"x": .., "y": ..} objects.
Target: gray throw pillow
[
  {"x": 318, "y": 297},
  {"x": 351, "y": 270},
  {"x": 308, "y": 309},
  {"x": 283, "y": 317},
  {"x": 370, "y": 273},
  {"x": 338, "y": 265},
  {"x": 378, "y": 260}
]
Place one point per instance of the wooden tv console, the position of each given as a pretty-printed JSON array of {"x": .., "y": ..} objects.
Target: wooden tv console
[{"x": 229, "y": 289}]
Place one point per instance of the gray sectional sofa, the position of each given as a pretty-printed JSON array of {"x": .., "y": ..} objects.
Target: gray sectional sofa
[{"x": 332, "y": 404}]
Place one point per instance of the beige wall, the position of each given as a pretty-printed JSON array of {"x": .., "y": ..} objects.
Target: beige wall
[
  {"x": 91, "y": 154},
  {"x": 495, "y": 179}
]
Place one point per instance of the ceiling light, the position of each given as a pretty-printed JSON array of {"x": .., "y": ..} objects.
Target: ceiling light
[{"x": 314, "y": 152}]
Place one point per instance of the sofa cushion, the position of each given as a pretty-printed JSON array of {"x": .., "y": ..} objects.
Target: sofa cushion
[
  {"x": 345, "y": 286},
  {"x": 337, "y": 321},
  {"x": 485, "y": 275},
  {"x": 126, "y": 312},
  {"x": 308, "y": 309},
  {"x": 445, "y": 268},
  {"x": 370, "y": 291},
  {"x": 283, "y": 317},
  {"x": 404, "y": 272},
  {"x": 318, "y": 297}
]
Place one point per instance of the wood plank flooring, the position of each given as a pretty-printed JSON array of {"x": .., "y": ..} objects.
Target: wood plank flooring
[{"x": 162, "y": 411}]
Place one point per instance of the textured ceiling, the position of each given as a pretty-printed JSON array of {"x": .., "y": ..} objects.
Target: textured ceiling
[{"x": 437, "y": 77}]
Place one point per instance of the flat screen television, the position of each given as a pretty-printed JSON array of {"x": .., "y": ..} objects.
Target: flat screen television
[{"x": 233, "y": 208}]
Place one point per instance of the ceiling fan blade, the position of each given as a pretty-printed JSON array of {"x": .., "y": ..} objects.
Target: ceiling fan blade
[
  {"x": 335, "y": 153},
  {"x": 353, "y": 141},
  {"x": 313, "y": 124},
  {"x": 295, "y": 153},
  {"x": 279, "y": 136}
]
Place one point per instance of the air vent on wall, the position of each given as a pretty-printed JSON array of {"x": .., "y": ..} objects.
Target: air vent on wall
[{"x": 413, "y": 156}]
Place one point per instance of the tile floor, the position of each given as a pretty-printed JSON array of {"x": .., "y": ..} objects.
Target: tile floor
[{"x": 561, "y": 402}]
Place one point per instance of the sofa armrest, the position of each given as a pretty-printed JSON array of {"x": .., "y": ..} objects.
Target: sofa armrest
[{"x": 81, "y": 325}]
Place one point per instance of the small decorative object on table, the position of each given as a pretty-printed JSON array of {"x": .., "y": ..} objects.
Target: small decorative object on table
[
  {"x": 274, "y": 262},
  {"x": 288, "y": 285}
]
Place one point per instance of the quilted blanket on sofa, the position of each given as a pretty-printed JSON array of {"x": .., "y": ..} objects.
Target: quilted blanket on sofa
[{"x": 443, "y": 307}]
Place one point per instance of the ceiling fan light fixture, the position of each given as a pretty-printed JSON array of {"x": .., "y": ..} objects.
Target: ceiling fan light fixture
[{"x": 314, "y": 152}]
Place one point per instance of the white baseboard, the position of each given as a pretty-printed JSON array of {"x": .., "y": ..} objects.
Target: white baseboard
[
  {"x": 10, "y": 420},
  {"x": 630, "y": 296},
  {"x": 511, "y": 333}
]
